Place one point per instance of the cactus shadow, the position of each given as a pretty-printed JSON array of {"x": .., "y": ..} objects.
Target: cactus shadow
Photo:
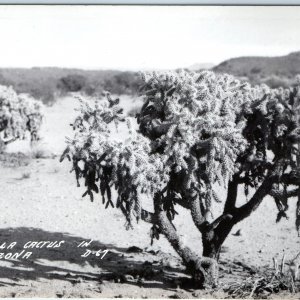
[{"x": 66, "y": 262}]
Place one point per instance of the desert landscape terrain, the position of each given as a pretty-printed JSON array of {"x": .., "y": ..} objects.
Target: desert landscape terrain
[{"x": 40, "y": 202}]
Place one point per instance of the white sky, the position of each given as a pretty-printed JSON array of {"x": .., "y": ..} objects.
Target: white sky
[{"x": 142, "y": 37}]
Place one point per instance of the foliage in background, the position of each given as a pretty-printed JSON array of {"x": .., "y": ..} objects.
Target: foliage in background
[
  {"x": 47, "y": 84},
  {"x": 71, "y": 83},
  {"x": 19, "y": 115}
]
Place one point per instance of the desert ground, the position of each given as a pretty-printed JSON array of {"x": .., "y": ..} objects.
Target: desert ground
[{"x": 40, "y": 202}]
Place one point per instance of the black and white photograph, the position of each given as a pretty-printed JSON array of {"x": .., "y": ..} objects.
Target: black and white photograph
[{"x": 150, "y": 151}]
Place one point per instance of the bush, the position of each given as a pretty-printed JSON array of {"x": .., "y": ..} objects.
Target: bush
[
  {"x": 72, "y": 83},
  {"x": 276, "y": 81},
  {"x": 19, "y": 115},
  {"x": 122, "y": 83},
  {"x": 255, "y": 70}
]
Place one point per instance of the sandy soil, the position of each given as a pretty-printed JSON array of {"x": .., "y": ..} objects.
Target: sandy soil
[{"x": 40, "y": 202}]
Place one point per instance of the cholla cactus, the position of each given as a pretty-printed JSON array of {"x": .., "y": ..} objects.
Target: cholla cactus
[
  {"x": 19, "y": 114},
  {"x": 129, "y": 165},
  {"x": 191, "y": 119},
  {"x": 195, "y": 131}
]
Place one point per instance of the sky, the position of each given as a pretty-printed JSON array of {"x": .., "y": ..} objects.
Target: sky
[{"x": 143, "y": 37}]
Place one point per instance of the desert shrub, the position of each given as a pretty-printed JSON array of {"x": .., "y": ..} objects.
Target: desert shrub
[
  {"x": 196, "y": 131},
  {"x": 26, "y": 175},
  {"x": 255, "y": 70},
  {"x": 276, "y": 81},
  {"x": 72, "y": 83},
  {"x": 19, "y": 115},
  {"x": 38, "y": 152},
  {"x": 115, "y": 81},
  {"x": 122, "y": 83}
]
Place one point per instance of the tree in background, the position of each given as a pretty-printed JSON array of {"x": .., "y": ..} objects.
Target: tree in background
[
  {"x": 72, "y": 83},
  {"x": 122, "y": 83},
  {"x": 196, "y": 132},
  {"x": 19, "y": 115}
]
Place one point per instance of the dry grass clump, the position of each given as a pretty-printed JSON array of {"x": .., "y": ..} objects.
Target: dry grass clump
[
  {"x": 26, "y": 175},
  {"x": 40, "y": 151},
  {"x": 261, "y": 286}
]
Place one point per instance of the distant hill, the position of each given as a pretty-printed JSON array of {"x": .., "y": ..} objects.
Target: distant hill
[
  {"x": 258, "y": 69},
  {"x": 47, "y": 83}
]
